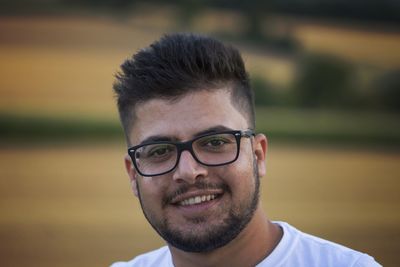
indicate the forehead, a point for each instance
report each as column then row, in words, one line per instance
column 181, row 119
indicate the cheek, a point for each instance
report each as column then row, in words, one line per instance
column 151, row 190
column 245, row 164
column 239, row 175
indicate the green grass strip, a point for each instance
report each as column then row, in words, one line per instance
column 294, row 125
column 330, row 126
column 31, row 128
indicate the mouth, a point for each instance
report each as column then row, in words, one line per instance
column 196, row 200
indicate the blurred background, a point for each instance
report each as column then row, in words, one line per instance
column 327, row 82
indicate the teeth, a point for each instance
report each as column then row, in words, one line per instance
column 197, row 200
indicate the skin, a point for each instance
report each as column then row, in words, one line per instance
column 182, row 120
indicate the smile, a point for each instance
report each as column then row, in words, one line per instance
column 197, row 200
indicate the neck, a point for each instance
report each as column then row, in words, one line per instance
column 257, row 240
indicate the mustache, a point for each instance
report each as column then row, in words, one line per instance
column 197, row 185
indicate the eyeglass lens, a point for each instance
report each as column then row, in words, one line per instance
column 214, row 149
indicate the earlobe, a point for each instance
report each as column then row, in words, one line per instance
column 131, row 173
column 260, row 150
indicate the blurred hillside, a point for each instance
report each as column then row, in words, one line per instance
column 59, row 59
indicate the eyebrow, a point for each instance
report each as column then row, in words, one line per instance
column 156, row 138
column 214, row 129
column 165, row 138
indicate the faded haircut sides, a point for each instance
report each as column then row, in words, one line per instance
column 178, row 64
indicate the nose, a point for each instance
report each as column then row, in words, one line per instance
column 188, row 169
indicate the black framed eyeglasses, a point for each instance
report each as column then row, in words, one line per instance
column 213, row 149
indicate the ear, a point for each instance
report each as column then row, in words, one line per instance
column 132, row 173
column 260, row 150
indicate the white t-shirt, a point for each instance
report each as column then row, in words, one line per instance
column 296, row 249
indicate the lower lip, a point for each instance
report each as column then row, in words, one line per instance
column 196, row 209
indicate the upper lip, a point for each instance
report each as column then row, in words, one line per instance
column 195, row 193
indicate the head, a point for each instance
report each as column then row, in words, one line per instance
column 180, row 88
column 179, row 64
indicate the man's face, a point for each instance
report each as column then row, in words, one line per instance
column 228, row 194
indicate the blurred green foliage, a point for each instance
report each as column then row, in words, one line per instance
column 386, row 91
column 323, row 81
column 264, row 94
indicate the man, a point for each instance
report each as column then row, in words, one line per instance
column 195, row 162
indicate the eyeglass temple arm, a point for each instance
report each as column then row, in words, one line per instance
column 248, row 133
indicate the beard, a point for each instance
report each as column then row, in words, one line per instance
column 209, row 237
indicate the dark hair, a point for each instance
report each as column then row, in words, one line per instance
column 178, row 64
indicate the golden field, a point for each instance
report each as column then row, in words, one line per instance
column 70, row 204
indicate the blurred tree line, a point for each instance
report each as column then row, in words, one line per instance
column 379, row 10
column 254, row 10
column 325, row 81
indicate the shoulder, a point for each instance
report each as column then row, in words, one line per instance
column 155, row 258
column 332, row 254
column 300, row 249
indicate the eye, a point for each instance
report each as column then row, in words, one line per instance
column 216, row 142
column 156, row 151
column 159, row 151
